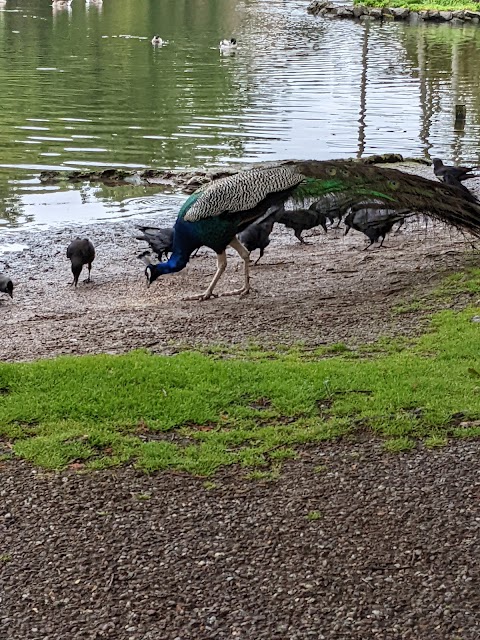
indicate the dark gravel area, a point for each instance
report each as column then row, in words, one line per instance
column 393, row 553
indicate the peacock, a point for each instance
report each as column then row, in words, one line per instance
column 215, row 213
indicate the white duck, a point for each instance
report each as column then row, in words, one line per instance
column 156, row 40
column 228, row 45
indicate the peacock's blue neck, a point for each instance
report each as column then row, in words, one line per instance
column 177, row 261
column 184, row 244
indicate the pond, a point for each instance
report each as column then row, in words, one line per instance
column 84, row 87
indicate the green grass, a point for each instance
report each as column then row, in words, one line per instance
column 197, row 412
column 415, row 5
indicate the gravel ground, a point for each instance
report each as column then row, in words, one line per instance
column 394, row 552
column 329, row 290
column 392, row 546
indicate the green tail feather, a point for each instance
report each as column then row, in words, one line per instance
column 312, row 188
column 189, row 203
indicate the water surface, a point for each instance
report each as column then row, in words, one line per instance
column 84, row 87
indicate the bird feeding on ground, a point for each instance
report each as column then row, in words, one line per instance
column 160, row 240
column 80, row 252
column 217, row 212
column 6, row 285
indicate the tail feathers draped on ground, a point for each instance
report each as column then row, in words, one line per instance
column 352, row 183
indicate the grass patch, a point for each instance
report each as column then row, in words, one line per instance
column 197, row 412
column 314, row 515
column 398, row 445
column 415, row 5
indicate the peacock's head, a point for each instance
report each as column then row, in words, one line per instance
column 151, row 274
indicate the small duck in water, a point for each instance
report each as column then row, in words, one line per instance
column 228, row 45
column 156, row 40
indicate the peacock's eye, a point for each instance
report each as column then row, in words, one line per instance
column 332, row 171
column 345, row 173
column 393, row 185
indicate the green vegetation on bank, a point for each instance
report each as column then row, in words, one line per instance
column 415, row 5
column 196, row 412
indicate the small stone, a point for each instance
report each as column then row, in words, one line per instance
column 400, row 13
column 344, row 12
column 476, row 319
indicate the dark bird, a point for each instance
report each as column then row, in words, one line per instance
column 459, row 173
column 6, row 285
column 217, row 212
column 160, row 240
column 454, row 182
column 373, row 219
column 257, row 234
column 302, row 219
column 332, row 206
column 80, row 252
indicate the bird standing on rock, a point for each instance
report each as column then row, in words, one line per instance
column 215, row 213
column 80, row 252
column 6, row 285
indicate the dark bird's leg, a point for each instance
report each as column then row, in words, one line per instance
column 261, row 254
column 208, row 293
column 368, row 245
column 298, row 235
column 381, row 243
column 89, row 269
column 245, row 255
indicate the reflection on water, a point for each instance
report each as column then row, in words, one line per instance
column 82, row 86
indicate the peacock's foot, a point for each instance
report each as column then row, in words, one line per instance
column 206, row 295
column 236, row 292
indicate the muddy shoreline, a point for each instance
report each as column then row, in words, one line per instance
column 326, row 291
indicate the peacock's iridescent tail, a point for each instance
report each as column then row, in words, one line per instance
column 348, row 182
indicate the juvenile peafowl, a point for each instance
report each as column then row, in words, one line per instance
column 374, row 219
column 257, row 234
column 302, row 219
column 6, row 285
column 448, row 171
column 214, row 214
column 160, row 239
column 80, row 252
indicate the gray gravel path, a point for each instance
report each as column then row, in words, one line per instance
column 394, row 552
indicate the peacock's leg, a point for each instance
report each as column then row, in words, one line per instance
column 221, row 266
column 245, row 255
